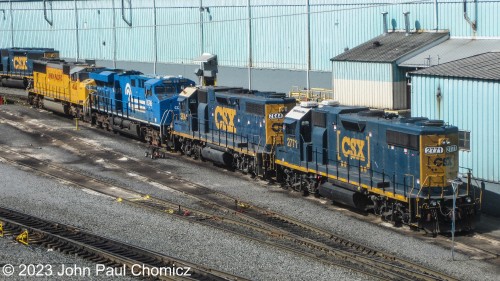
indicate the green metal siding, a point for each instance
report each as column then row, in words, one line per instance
column 472, row 106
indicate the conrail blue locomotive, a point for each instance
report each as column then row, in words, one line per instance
column 138, row 105
column 16, row 64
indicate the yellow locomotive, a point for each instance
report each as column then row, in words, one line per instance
column 61, row 86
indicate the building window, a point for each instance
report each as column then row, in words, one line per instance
column 464, row 140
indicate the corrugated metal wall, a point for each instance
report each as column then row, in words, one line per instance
column 278, row 28
column 472, row 106
column 366, row 84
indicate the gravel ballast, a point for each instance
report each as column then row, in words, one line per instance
column 192, row 242
column 30, row 262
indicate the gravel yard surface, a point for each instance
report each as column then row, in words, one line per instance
column 49, row 265
column 199, row 244
column 95, row 213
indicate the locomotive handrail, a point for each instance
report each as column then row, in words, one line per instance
column 163, row 118
column 123, row 12
column 45, row 13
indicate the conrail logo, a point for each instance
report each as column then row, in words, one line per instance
column 20, row 63
column 353, row 148
column 224, row 119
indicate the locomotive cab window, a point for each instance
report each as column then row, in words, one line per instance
column 464, row 140
column 402, row 140
column 305, row 130
column 290, row 128
column 183, row 106
column 164, row 90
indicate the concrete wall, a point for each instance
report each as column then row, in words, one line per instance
column 278, row 80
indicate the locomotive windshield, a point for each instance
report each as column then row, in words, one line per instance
column 165, row 91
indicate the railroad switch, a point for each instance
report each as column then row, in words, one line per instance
column 23, row 238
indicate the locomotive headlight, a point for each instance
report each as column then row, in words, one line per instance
column 468, row 199
column 418, row 181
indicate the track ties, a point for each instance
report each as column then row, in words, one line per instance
column 102, row 250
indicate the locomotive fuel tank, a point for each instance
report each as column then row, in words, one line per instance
column 125, row 126
column 55, row 106
column 12, row 83
column 344, row 196
column 217, row 155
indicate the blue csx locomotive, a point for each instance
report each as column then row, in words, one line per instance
column 401, row 168
column 16, row 64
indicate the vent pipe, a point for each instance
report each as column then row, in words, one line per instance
column 473, row 24
column 384, row 14
column 407, row 23
column 436, row 11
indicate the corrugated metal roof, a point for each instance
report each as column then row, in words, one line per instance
column 392, row 46
column 484, row 66
column 451, row 50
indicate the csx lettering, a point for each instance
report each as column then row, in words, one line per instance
column 224, row 119
column 446, row 162
column 353, row 147
column 20, row 63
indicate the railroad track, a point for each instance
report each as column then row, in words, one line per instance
column 248, row 221
column 137, row 261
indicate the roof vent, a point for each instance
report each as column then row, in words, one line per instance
column 413, row 119
column 376, row 44
column 431, row 123
column 330, row 103
column 384, row 14
column 372, row 113
column 309, row 104
column 407, row 23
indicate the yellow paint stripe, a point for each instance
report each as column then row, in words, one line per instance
column 371, row 189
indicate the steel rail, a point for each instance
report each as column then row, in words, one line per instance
column 73, row 240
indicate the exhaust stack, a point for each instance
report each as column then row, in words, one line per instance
column 407, row 23
column 384, row 14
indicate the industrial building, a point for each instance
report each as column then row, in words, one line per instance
column 466, row 93
column 283, row 43
column 432, row 57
